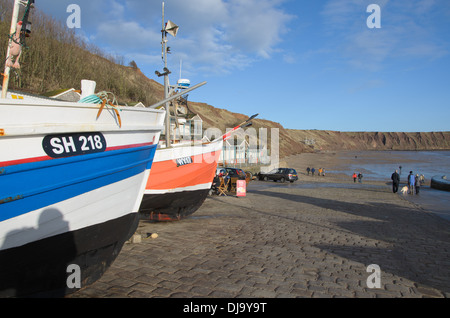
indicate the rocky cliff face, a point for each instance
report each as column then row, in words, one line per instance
column 334, row 140
column 298, row 141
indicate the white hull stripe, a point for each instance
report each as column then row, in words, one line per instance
column 203, row 186
column 94, row 207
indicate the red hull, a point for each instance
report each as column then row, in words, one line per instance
column 180, row 180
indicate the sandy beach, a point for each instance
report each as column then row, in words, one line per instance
column 313, row 238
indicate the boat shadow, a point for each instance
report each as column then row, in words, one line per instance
column 25, row 270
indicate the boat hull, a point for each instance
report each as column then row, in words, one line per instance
column 439, row 183
column 71, row 187
column 172, row 206
column 41, row 268
column 180, row 181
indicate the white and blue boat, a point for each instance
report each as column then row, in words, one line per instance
column 71, row 183
column 70, row 189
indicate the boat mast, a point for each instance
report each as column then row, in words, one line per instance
column 172, row 29
column 166, row 78
column 15, row 18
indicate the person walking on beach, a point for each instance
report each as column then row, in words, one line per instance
column 312, row 171
column 320, row 172
column 308, row 170
column 354, row 176
column 417, row 184
column 422, row 179
column 411, row 182
column 395, row 181
column 360, row 176
column 323, row 172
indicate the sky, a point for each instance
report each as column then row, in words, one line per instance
column 306, row 64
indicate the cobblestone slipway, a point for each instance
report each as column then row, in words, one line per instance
column 285, row 241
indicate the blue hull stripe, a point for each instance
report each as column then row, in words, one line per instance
column 31, row 186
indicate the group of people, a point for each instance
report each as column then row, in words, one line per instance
column 226, row 176
column 358, row 176
column 321, row 171
column 414, row 182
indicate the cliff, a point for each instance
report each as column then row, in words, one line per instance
column 294, row 141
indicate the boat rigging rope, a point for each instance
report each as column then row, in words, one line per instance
column 103, row 99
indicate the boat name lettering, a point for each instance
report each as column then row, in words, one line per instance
column 184, row 161
column 65, row 145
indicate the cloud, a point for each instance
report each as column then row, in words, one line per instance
column 256, row 26
column 220, row 36
column 404, row 35
column 216, row 36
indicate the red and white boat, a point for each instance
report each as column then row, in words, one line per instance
column 182, row 174
column 180, row 180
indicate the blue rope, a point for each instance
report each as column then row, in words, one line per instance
column 91, row 99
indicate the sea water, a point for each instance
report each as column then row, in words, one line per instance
column 379, row 165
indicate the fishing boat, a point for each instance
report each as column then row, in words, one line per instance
column 180, row 180
column 72, row 177
column 183, row 170
column 71, row 187
column 181, row 177
column 440, row 183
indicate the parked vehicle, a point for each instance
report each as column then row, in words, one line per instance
column 236, row 173
column 280, row 174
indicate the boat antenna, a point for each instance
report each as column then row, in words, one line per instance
column 245, row 124
column 172, row 29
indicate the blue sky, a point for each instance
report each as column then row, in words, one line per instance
column 305, row 64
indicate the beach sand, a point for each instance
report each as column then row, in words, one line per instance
column 312, row 238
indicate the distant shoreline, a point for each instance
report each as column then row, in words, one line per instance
column 376, row 166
